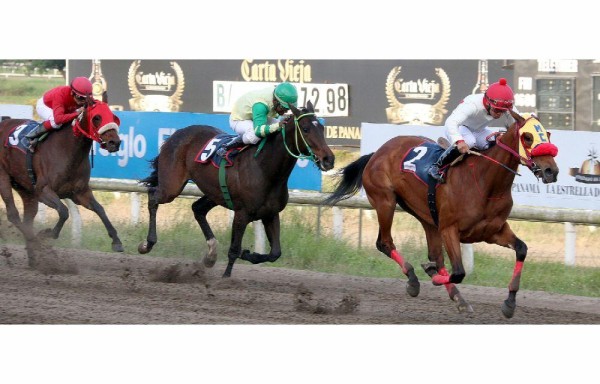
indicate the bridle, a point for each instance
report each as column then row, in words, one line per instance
column 298, row 132
column 90, row 132
column 527, row 161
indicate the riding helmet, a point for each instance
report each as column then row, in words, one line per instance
column 286, row 94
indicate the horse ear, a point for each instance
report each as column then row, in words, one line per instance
column 117, row 120
column 310, row 106
column 518, row 118
column 105, row 97
column 294, row 110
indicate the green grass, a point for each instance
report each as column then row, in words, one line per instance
column 25, row 90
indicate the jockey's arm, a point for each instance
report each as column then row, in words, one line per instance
column 260, row 119
column 60, row 117
column 457, row 118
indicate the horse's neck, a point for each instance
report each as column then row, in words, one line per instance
column 74, row 149
column 283, row 160
column 494, row 177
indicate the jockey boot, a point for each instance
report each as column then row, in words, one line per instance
column 447, row 157
column 230, row 144
column 34, row 135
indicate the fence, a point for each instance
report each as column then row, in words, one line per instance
column 570, row 217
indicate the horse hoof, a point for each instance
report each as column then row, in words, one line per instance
column 118, row 247
column 462, row 305
column 144, row 247
column 413, row 289
column 465, row 307
column 508, row 309
column 209, row 261
column 210, row 258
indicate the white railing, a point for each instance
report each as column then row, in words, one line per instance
column 569, row 217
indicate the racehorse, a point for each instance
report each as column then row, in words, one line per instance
column 472, row 206
column 59, row 169
column 256, row 183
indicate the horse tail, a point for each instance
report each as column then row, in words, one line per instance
column 351, row 181
column 152, row 180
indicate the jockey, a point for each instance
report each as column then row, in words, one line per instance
column 466, row 127
column 60, row 105
column 253, row 115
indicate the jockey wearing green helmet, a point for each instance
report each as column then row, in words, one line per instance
column 256, row 114
column 286, row 93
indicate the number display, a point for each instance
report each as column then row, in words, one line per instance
column 328, row 99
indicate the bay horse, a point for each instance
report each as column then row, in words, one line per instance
column 256, row 183
column 473, row 204
column 59, row 169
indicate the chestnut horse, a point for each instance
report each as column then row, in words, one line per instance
column 473, row 204
column 256, row 183
column 60, row 169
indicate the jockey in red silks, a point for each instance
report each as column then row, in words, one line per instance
column 60, row 105
column 466, row 127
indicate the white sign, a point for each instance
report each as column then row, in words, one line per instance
column 16, row 111
column 578, row 185
column 328, row 99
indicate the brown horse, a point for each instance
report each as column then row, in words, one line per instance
column 256, row 182
column 60, row 169
column 473, row 204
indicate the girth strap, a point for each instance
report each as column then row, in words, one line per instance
column 29, row 164
column 431, row 202
column 223, row 184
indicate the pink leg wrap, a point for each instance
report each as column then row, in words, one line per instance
column 398, row 259
column 439, row 279
column 516, row 277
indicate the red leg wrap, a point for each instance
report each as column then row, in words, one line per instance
column 516, row 277
column 398, row 259
column 439, row 279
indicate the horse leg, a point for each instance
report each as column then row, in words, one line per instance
column 51, row 199
column 385, row 205
column 201, row 207
column 25, row 227
column 151, row 239
column 508, row 239
column 436, row 266
column 30, row 208
column 451, row 241
column 272, row 230
column 157, row 195
column 86, row 199
column 240, row 222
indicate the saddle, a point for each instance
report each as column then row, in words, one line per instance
column 209, row 151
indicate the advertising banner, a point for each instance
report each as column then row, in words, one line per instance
column 344, row 92
column 143, row 133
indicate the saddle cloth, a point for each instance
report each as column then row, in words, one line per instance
column 418, row 159
column 209, row 151
column 16, row 138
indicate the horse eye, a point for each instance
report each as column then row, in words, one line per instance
column 528, row 139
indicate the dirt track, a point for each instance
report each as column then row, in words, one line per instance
column 83, row 287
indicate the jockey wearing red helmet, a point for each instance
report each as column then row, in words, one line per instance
column 60, row 105
column 466, row 127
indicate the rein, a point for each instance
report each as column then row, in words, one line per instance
column 89, row 133
column 524, row 160
column 300, row 155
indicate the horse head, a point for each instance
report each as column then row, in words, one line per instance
column 309, row 136
column 534, row 147
column 99, row 123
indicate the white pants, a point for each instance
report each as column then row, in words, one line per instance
column 45, row 112
column 475, row 139
column 245, row 128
